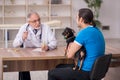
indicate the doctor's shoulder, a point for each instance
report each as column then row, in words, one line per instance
column 45, row 26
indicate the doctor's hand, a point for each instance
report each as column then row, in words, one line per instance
column 24, row 36
column 44, row 47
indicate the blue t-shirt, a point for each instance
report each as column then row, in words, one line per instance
column 93, row 41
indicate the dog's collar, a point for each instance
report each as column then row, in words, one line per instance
column 90, row 26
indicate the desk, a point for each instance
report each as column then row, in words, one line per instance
column 113, row 46
column 21, row 59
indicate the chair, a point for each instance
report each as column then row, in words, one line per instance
column 100, row 67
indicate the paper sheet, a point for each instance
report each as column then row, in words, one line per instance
column 38, row 50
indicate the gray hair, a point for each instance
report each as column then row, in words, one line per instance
column 31, row 13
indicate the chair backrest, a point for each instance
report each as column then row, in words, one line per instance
column 100, row 67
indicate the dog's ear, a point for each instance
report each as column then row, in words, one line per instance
column 63, row 33
column 68, row 30
column 71, row 29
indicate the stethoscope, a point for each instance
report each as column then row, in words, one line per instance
column 40, row 37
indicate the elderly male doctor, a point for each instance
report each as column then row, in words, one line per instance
column 34, row 34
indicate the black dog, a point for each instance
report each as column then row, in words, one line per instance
column 68, row 33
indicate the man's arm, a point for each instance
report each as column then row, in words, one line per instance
column 72, row 49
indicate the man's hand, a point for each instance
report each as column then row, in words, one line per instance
column 69, row 46
column 65, row 51
column 25, row 34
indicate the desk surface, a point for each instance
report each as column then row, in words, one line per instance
column 29, row 54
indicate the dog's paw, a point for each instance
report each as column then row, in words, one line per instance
column 74, row 68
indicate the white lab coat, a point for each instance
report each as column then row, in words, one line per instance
column 33, row 40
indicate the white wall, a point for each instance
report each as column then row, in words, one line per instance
column 77, row 4
column 109, row 15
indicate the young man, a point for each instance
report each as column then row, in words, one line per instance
column 92, row 39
